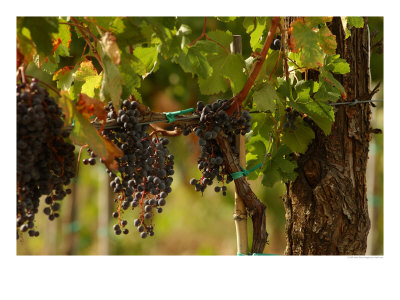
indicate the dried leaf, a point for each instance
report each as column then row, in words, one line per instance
column 110, row 46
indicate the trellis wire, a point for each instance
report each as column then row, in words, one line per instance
column 112, row 124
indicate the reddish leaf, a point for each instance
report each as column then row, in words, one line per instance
column 56, row 43
column 89, row 107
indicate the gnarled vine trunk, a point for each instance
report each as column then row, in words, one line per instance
column 326, row 207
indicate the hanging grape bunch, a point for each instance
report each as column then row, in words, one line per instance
column 291, row 116
column 145, row 168
column 45, row 161
column 213, row 120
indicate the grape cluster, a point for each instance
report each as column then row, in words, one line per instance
column 213, row 121
column 45, row 161
column 276, row 43
column 92, row 160
column 145, row 169
column 291, row 116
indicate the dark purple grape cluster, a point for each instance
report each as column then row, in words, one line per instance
column 213, row 121
column 276, row 43
column 45, row 161
column 291, row 116
column 144, row 179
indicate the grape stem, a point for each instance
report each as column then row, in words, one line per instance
column 204, row 34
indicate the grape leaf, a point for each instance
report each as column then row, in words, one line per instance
column 357, row 22
column 299, row 139
column 264, row 97
column 329, row 88
column 233, row 70
column 67, row 107
column 257, row 34
column 337, row 65
column 64, row 78
column 321, row 113
column 327, row 40
column 304, row 38
column 47, row 64
column 348, row 22
column 311, row 41
column 89, row 107
column 41, row 30
column 224, row 66
column 91, row 80
column 111, row 86
column 249, row 23
column 279, row 167
column 63, row 38
column 193, row 61
column 223, row 37
column 130, row 79
column 226, row 19
column 84, row 133
column 304, row 89
column 315, row 21
column 146, row 60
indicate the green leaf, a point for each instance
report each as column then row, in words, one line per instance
column 226, row 19
column 87, row 73
column 64, row 35
column 279, row 167
column 321, row 113
column 305, row 88
column 262, row 124
column 234, row 71
column 223, row 37
column 128, row 72
column 64, row 78
column 329, row 88
column 337, row 65
column 111, row 86
column 224, row 66
column 193, row 61
column 348, row 22
column 265, row 97
column 41, row 30
column 357, row 22
column 147, row 60
column 257, row 34
column 249, row 23
column 47, row 64
column 299, row 139
column 75, row 89
column 284, row 90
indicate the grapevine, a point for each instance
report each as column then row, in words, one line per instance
column 99, row 107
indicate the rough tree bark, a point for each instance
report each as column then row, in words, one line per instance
column 326, row 207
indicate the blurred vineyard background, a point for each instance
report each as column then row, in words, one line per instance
column 191, row 224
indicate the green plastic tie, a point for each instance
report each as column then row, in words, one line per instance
column 244, row 172
column 171, row 115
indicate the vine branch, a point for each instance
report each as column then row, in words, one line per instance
column 237, row 100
